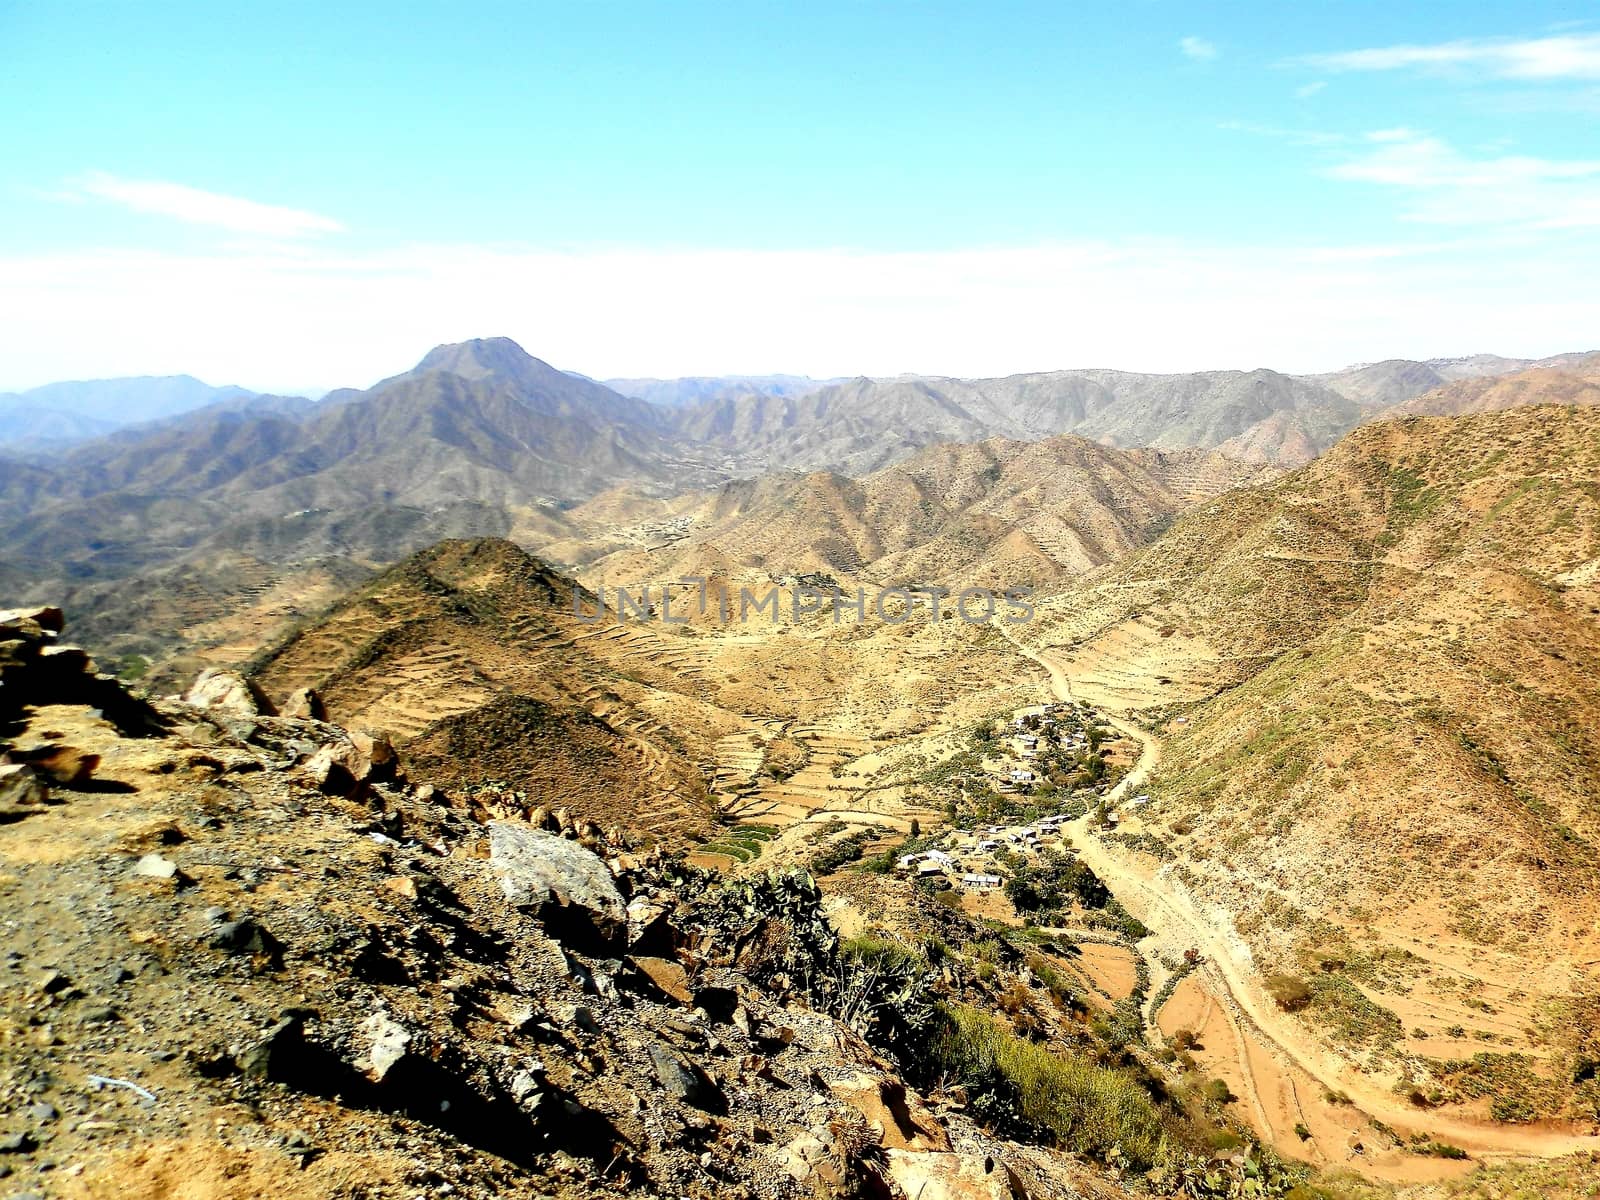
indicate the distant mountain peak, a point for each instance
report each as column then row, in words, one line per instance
column 479, row 357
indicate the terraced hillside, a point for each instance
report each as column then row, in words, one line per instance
column 470, row 654
column 995, row 513
column 1374, row 680
column 463, row 653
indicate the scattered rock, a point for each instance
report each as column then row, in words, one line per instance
column 566, row 886
column 668, row 976
column 685, row 1081
column 898, row 1116
column 66, row 765
column 576, row 1016
column 153, row 866
column 299, row 1145
column 264, row 1058
column 375, row 747
column 802, row 1155
column 305, row 705
column 243, row 936
column 332, row 770
column 21, row 790
column 229, row 692
column 943, row 1176
column 386, row 1042
column 17, row 1143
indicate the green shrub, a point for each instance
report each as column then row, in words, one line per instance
column 1021, row 1088
column 881, row 954
column 1290, row 992
column 1516, row 1110
column 1047, row 884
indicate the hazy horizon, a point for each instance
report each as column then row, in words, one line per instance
column 825, row 190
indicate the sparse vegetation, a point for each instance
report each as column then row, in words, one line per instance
column 1031, row 1091
column 1289, row 992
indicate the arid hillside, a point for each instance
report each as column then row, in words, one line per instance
column 472, row 656
column 1574, row 382
column 1373, row 681
column 253, row 955
column 467, row 654
column 995, row 513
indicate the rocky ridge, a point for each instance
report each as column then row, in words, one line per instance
column 259, row 959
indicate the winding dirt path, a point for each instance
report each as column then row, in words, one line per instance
column 1229, row 975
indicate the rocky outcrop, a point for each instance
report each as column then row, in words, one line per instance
column 229, row 692
column 407, row 1000
column 566, row 885
column 349, row 760
column 305, row 704
column 38, row 669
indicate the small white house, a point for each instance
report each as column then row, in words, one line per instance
column 981, row 881
column 939, row 857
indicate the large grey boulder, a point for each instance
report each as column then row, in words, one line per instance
column 566, row 886
column 229, row 692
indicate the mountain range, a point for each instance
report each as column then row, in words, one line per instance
column 482, row 439
column 58, row 414
column 696, row 389
column 994, row 513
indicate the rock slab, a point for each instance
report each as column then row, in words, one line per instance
column 566, row 886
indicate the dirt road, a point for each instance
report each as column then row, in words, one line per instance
column 1180, row 921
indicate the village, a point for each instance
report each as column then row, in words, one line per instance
column 1046, row 757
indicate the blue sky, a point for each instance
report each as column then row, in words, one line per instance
column 299, row 196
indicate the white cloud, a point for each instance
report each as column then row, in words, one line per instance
column 1197, row 48
column 1295, row 137
column 196, row 207
column 273, row 319
column 1446, row 186
column 1573, row 56
column 1400, row 133
column 1307, row 90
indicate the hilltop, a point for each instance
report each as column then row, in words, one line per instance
column 1573, row 382
column 468, row 655
column 995, row 513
